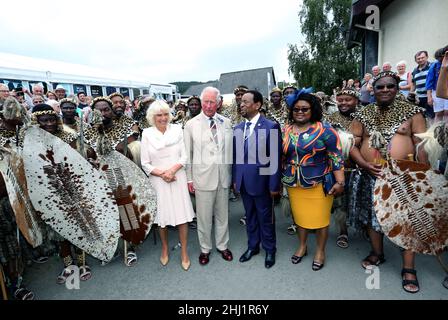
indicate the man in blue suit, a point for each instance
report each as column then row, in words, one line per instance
column 256, row 175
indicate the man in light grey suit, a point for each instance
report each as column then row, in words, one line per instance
column 208, row 142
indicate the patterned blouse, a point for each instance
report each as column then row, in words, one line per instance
column 308, row 156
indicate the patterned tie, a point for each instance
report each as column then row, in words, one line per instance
column 213, row 129
column 246, row 138
column 247, row 131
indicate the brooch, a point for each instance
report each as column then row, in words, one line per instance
column 306, row 136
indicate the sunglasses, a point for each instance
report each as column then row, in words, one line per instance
column 302, row 110
column 381, row 87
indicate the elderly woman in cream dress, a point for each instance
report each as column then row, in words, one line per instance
column 163, row 158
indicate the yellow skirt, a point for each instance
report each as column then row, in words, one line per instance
column 310, row 207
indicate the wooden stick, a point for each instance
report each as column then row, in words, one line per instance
column 2, row 284
column 83, row 258
column 125, row 251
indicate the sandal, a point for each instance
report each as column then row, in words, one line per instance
column 66, row 272
column 85, row 273
column 368, row 261
column 406, row 282
column 131, row 258
column 292, row 229
column 317, row 266
column 342, row 241
column 297, row 259
column 23, row 294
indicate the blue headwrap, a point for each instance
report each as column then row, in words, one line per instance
column 293, row 97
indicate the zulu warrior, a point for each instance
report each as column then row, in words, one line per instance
column 277, row 109
column 13, row 251
column 140, row 114
column 383, row 130
column 348, row 101
column 233, row 112
column 47, row 119
column 114, row 131
column 193, row 109
column 71, row 121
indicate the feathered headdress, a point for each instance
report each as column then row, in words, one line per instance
column 293, row 97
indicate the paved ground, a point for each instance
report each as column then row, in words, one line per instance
column 341, row 278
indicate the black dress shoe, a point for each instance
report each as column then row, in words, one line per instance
column 297, row 259
column 270, row 260
column 248, row 254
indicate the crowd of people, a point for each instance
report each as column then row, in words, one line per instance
column 419, row 84
column 321, row 157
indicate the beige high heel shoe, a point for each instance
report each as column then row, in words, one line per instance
column 164, row 261
column 186, row 265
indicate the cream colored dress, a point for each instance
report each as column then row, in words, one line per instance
column 162, row 151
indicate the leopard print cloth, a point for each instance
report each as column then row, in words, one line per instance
column 121, row 128
column 232, row 113
column 278, row 115
column 77, row 125
column 67, row 137
column 386, row 122
column 338, row 121
column 8, row 138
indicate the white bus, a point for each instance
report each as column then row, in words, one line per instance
column 168, row 92
column 23, row 71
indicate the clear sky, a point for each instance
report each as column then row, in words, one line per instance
column 160, row 41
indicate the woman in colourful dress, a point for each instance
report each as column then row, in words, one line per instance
column 311, row 155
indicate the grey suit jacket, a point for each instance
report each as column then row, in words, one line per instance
column 208, row 163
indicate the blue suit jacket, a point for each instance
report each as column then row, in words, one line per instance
column 256, row 163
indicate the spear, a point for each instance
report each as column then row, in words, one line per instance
column 81, row 135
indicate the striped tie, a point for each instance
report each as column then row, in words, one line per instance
column 213, row 129
column 246, row 134
column 247, row 130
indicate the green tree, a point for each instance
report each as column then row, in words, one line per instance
column 323, row 61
